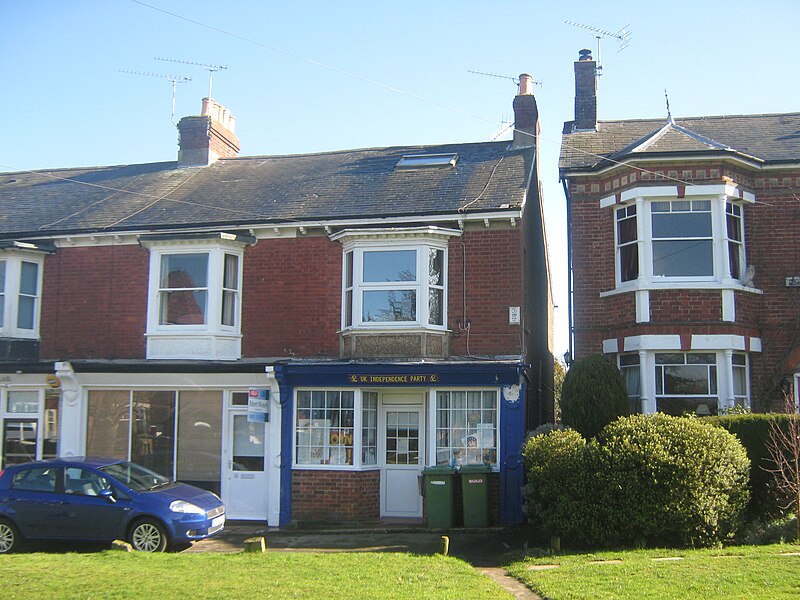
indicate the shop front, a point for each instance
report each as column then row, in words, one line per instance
column 360, row 434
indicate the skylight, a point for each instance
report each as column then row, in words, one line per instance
column 427, row 161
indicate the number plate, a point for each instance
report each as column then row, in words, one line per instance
column 218, row 521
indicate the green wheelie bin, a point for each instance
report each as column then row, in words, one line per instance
column 439, row 497
column 475, row 494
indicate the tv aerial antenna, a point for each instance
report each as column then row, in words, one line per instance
column 210, row 68
column 505, row 123
column 175, row 79
column 498, row 76
column 623, row 36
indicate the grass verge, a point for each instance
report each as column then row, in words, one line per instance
column 112, row 574
column 735, row 572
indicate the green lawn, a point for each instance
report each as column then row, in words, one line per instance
column 113, row 574
column 737, row 572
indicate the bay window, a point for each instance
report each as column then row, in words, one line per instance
column 661, row 238
column 194, row 308
column 394, row 279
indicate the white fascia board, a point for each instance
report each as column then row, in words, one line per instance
column 192, row 381
column 672, row 343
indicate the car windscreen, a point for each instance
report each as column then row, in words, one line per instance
column 136, row 477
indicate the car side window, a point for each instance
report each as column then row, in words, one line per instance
column 84, row 482
column 35, row 479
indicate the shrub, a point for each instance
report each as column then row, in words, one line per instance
column 669, row 480
column 555, row 495
column 593, row 395
column 752, row 430
column 644, row 480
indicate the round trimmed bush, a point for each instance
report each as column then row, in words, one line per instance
column 593, row 395
column 668, row 480
column 556, row 494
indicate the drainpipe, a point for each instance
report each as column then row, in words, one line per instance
column 570, row 337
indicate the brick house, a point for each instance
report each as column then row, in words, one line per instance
column 300, row 334
column 684, row 252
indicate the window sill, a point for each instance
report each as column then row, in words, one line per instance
column 359, row 469
column 677, row 284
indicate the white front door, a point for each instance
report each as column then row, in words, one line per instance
column 402, row 460
column 245, row 486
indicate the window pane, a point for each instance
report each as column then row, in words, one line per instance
column 392, row 265
column 348, row 269
column 200, row 439
column 248, row 444
column 626, row 230
column 686, row 380
column 734, row 227
column 389, row 305
column 348, row 308
column 734, row 259
column 23, row 402
column 108, row 423
column 183, row 308
column 29, row 279
column 435, row 305
column 152, row 438
column 231, row 275
column 229, row 308
column 435, row 266
column 629, row 262
column 51, row 424
column 184, row 271
column 682, row 225
column 682, row 258
column 27, row 306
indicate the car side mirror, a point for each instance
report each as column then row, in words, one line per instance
column 108, row 495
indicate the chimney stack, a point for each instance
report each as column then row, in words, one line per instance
column 526, row 114
column 585, row 92
column 208, row 137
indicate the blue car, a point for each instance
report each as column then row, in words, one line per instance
column 102, row 499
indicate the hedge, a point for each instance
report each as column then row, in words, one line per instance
column 753, row 432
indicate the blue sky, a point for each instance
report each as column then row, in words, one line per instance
column 308, row 76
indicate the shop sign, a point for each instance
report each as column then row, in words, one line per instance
column 393, row 379
column 257, row 405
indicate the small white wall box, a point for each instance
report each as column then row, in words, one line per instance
column 513, row 315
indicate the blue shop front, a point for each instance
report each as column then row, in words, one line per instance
column 355, row 436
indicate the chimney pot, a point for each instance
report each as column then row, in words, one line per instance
column 205, row 138
column 585, row 54
column 525, row 84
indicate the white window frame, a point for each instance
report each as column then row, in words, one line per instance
column 642, row 198
column 11, row 294
column 212, row 339
column 357, row 433
column 726, row 358
column 434, row 426
column 420, row 240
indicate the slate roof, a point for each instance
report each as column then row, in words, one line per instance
column 261, row 190
column 772, row 138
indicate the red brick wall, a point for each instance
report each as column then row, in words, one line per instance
column 291, row 298
column 493, row 283
column 335, row 496
column 685, row 306
column 94, row 303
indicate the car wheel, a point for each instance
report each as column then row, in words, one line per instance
column 9, row 537
column 148, row 535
